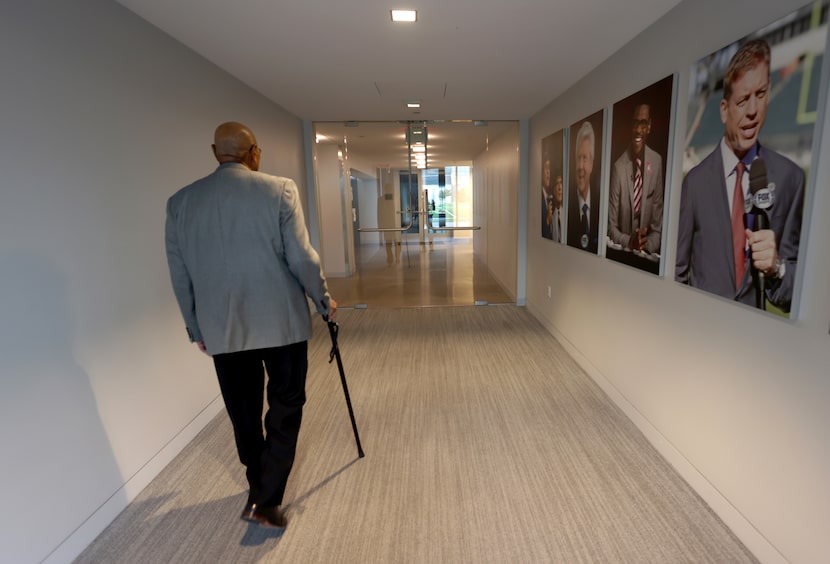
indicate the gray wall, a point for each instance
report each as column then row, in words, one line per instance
column 736, row 400
column 495, row 205
column 103, row 118
column 329, row 171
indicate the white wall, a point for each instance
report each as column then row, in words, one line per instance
column 365, row 166
column 735, row 399
column 367, row 196
column 104, row 117
column 495, row 208
column 331, row 210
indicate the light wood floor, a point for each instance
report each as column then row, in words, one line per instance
column 444, row 273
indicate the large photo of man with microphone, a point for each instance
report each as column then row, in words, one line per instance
column 739, row 230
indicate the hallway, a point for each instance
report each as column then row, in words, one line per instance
column 484, row 442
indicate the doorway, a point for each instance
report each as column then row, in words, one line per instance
column 422, row 227
column 410, row 209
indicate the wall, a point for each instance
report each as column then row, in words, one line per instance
column 331, row 210
column 366, row 197
column 736, row 400
column 367, row 194
column 495, row 208
column 104, row 117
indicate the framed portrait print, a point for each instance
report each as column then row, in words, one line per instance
column 747, row 159
column 552, row 197
column 585, row 160
column 640, row 126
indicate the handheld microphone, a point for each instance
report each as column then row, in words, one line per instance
column 760, row 195
column 761, row 199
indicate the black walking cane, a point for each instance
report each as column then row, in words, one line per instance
column 335, row 353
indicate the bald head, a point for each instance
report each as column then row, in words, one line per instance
column 234, row 142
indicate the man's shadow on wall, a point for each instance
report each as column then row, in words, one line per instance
column 59, row 466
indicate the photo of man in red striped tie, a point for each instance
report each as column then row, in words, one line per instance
column 635, row 200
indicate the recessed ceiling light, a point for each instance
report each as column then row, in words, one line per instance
column 404, row 15
column 413, row 104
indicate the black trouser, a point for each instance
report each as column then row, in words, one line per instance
column 268, row 459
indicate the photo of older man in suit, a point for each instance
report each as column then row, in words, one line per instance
column 717, row 248
column 583, row 195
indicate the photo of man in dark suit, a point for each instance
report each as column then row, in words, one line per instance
column 717, row 249
column 555, row 211
column 552, row 160
column 583, row 196
column 547, row 198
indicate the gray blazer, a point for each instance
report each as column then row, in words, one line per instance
column 621, row 200
column 241, row 262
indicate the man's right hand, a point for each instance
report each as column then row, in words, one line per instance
column 332, row 313
column 764, row 250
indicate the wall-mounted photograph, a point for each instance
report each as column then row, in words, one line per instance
column 639, row 145
column 585, row 158
column 553, row 169
column 748, row 154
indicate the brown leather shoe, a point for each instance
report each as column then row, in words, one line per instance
column 269, row 517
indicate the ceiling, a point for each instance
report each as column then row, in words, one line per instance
column 384, row 144
column 463, row 59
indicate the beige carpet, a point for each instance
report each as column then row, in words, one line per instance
column 484, row 442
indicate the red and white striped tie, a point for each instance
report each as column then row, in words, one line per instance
column 638, row 186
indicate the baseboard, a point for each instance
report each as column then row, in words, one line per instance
column 93, row 525
column 505, row 289
column 752, row 538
